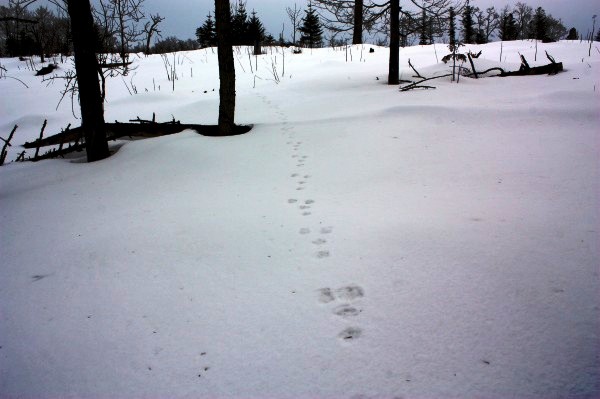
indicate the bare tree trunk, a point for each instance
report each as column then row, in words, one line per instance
column 358, row 22
column 226, row 68
column 257, row 47
column 86, row 67
column 394, row 67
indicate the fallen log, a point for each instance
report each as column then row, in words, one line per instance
column 525, row 70
column 145, row 129
column 550, row 69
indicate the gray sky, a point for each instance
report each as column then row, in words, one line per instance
column 182, row 17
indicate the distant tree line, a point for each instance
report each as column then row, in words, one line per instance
column 120, row 27
column 248, row 29
column 25, row 32
column 427, row 21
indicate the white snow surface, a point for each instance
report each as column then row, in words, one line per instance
column 359, row 242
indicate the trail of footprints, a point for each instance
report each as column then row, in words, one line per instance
column 348, row 297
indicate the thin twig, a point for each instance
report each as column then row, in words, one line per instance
column 413, row 85
column 413, row 68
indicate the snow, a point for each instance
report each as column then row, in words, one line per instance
column 359, row 242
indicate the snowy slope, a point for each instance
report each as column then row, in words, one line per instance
column 358, row 242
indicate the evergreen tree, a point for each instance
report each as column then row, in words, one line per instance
column 573, row 35
column 424, row 28
column 256, row 29
column 311, row 30
column 467, row 24
column 452, row 27
column 256, row 32
column 207, row 34
column 540, row 25
column 555, row 30
column 508, row 26
column 240, row 25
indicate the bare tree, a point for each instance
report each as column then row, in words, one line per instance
column 524, row 16
column 394, row 64
column 341, row 16
column 86, row 67
column 120, row 19
column 488, row 22
column 43, row 31
column 151, row 28
column 295, row 16
column 226, row 68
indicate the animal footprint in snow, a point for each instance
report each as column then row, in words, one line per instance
column 304, row 207
column 309, row 202
column 350, row 333
column 350, row 292
column 347, row 293
column 304, row 231
column 294, row 175
column 319, row 241
column 292, row 201
column 346, row 311
column 326, row 230
column 326, row 295
column 323, row 254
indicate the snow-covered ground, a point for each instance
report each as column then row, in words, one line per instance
column 359, row 242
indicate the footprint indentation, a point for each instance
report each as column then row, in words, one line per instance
column 292, row 201
column 319, row 241
column 350, row 333
column 325, row 295
column 294, row 175
column 326, row 230
column 346, row 311
column 304, row 207
column 306, row 213
column 350, row 292
column 304, row 231
column 323, row 254
column 309, row 202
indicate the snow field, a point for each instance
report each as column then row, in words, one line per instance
column 358, row 242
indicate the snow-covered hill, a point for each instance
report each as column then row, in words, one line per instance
column 359, row 242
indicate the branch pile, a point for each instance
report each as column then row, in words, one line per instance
column 525, row 70
column 73, row 139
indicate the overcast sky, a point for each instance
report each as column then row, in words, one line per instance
column 182, row 17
